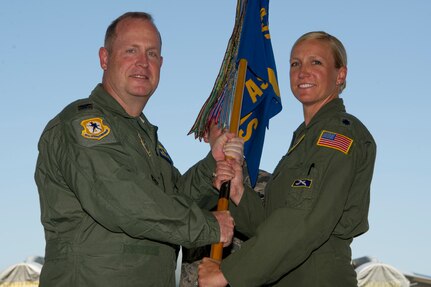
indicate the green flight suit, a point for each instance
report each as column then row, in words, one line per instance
column 113, row 206
column 316, row 202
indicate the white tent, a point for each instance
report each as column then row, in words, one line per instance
column 25, row 274
column 376, row 274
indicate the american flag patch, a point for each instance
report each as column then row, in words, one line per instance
column 335, row 141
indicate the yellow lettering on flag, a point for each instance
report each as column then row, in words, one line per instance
column 253, row 90
column 250, row 128
column 273, row 81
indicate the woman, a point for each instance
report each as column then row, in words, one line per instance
column 318, row 197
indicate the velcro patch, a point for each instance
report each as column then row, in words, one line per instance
column 302, row 183
column 94, row 129
column 335, row 141
column 164, row 153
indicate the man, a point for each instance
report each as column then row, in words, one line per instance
column 113, row 206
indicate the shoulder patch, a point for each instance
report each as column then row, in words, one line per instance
column 335, row 141
column 94, row 129
column 164, row 153
column 302, row 183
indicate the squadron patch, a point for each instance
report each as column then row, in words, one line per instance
column 302, row 183
column 335, row 141
column 164, row 153
column 94, row 129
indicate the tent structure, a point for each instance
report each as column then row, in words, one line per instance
column 376, row 274
column 25, row 274
column 372, row 273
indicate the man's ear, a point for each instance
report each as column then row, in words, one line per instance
column 103, row 58
column 206, row 137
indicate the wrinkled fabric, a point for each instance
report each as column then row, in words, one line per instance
column 316, row 202
column 113, row 207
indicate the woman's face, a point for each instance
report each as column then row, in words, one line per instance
column 314, row 80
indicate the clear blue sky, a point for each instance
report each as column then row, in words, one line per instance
column 49, row 57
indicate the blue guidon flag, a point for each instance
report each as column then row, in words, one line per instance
column 250, row 41
column 261, row 97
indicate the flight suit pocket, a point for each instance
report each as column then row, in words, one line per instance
column 302, row 187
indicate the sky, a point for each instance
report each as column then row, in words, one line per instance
column 49, row 58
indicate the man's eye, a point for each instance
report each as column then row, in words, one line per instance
column 131, row 51
column 153, row 54
column 294, row 64
column 317, row 62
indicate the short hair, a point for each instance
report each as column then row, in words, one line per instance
column 337, row 48
column 111, row 30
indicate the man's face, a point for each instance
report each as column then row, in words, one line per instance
column 212, row 134
column 132, row 66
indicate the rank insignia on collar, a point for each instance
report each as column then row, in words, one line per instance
column 94, row 129
column 335, row 141
column 302, row 183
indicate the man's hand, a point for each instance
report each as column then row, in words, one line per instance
column 226, row 224
column 210, row 275
column 234, row 149
column 228, row 145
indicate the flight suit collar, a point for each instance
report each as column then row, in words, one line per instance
column 327, row 110
column 100, row 96
column 334, row 106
